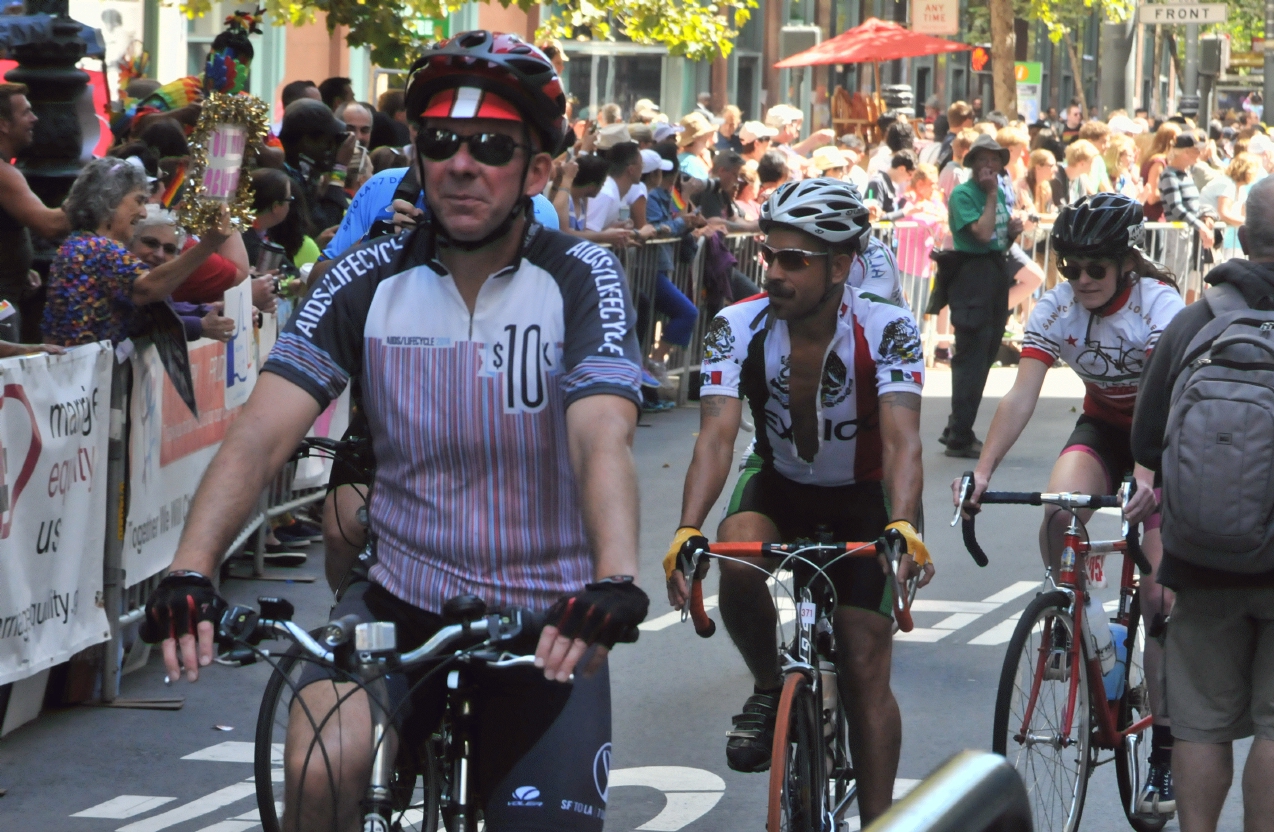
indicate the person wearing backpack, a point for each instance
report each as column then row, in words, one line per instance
column 1104, row 321
column 1205, row 421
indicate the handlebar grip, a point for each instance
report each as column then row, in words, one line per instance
column 903, row 615
column 704, row 625
column 971, row 542
column 738, row 550
column 1030, row 498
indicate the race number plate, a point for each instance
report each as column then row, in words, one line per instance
column 806, row 610
column 1096, row 571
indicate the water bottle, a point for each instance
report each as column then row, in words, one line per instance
column 1114, row 679
column 1097, row 628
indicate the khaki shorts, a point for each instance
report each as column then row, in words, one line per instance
column 1219, row 665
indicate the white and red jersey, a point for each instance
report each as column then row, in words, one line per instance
column 876, row 349
column 1107, row 351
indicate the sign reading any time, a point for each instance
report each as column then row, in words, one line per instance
column 935, row 17
column 1176, row 13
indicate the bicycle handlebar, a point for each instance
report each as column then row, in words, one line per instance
column 892, row 543
column 1065, row 500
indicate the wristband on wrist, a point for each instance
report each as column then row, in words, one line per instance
column 616, row 579
column 339, row 169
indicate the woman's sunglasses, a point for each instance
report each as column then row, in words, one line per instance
column 789, row 259
column 167, row 248
column 1096, row 270
column 492, row 149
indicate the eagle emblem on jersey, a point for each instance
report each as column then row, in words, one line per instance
column 778, row 384
column 836, row 384
column 718, row 341
column 900, row 343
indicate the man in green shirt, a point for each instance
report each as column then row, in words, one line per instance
column 982, row 229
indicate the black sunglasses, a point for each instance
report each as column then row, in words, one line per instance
column 167, row 248
column 493, row 149
column 1071, row 271
column 789, row 259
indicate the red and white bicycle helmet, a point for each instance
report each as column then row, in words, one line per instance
column 482, row 74
column 829, row 209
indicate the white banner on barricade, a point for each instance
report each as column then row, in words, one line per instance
column 54, row 426
column 241, row 349
column 169, row 451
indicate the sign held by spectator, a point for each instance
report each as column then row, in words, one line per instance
column 226, row 142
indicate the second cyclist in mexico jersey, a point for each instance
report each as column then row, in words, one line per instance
column 876, row 350
column 474, row 490
column 1106, row 351
column 875, row 273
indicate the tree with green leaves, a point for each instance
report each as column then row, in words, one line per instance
column 696, row 29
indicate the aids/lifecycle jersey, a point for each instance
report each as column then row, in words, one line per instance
column 474, row 490
column 876, row 350
column 1106, row 351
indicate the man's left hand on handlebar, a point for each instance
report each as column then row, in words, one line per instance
column 601, row 615
column 181, row 598
column 916, row 562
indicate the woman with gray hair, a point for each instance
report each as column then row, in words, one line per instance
column 157, row 239
column 95, row 282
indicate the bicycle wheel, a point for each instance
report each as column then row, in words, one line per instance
column 1036, row 689
column 797, row 782
column 1134, row 706
column 417, row 779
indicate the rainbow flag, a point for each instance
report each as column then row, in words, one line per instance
column 679, row 201
column 174, row 186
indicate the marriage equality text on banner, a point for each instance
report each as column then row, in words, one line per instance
column 169, row 451
column 54, row 426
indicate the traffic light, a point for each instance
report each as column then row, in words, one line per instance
column 980, row 59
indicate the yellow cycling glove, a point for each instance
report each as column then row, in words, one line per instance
column 915, row 546
column 684, row 534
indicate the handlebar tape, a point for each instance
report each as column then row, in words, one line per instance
column 971, row 542
column 1030, row 498
column 704, row 625
column 1134, row 550
column 903, row 614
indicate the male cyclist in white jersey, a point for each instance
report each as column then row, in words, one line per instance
column 1104, row 322
column 500, row 379
column 833, row 378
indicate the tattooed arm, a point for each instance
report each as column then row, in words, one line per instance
column 714, row 452
column 904, row 471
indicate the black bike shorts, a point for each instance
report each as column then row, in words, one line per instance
column 1109, row 444
column 848, row 512
column 542, row 750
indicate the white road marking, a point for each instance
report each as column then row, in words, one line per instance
column 193, row 809
column 232, row 826
column 668, row 619
column 963, row 613
column 1002, row 632
column 901, row 789
column 124, row 806
column 689, row 793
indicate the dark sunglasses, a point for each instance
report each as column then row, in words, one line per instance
column 1071, row 271
column 167, row 248
column 789, row 259
column 492, row 149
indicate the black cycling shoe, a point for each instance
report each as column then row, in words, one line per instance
column 1157, row 797
column 752, row 740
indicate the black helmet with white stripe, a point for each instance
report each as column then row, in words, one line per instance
column 1102, row 225
column 829, row 209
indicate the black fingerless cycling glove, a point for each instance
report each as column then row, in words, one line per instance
column 604, row 613
column 177, row 605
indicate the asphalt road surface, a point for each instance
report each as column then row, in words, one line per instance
column 93, row 769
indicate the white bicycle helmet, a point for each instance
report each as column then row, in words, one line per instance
column 829, row 209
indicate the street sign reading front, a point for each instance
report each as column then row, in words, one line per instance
column 1177, row 13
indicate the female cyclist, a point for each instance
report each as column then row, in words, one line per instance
column 1103, row 322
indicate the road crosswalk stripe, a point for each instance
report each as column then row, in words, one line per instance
column 195, row 808
column 963, row 613
column 123, row 807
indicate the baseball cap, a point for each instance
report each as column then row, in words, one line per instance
column 611, row 135
column 307, row 117
column 753, row 130
column 652, row 161
column 470, row 102
column 663, row 130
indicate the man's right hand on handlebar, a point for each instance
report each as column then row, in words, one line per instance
column 973, row 503
column 687, row 540
column 183, row 606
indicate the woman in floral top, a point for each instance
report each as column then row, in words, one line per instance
column 95, row 283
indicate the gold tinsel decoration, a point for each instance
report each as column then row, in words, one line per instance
column 199, row 211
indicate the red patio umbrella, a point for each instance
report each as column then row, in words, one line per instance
column 871, row 42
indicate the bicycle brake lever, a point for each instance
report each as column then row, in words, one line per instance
column 966, row 486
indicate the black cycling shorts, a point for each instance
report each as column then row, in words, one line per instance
column 1110, row 444
column 542, row 751
column 849, row 512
